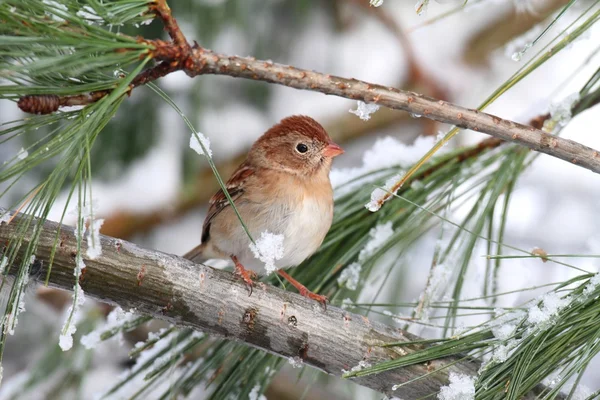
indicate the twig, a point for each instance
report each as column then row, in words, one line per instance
column 200, row 61
column 215, row 302
column 162, row 10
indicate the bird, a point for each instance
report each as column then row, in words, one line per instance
column 282, row 187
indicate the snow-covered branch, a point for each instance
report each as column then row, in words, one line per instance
column 171, row 288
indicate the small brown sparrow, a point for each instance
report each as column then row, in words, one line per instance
column 283, row 187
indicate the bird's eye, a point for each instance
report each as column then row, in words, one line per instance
column 302, row 148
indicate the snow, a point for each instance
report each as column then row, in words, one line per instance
column 18, row 306
column 364, row 110
column 350, row 276
column 72, row 317
column 197, row 145
column 268, row 248
column 254, row 394
column 378, row 195
column 22, row 154
column 296, row 362
column 115, row 318
column 551, row 305
column 589, row 288
column 440, row 276
column 347, row 303
column 73, row 314
column 506, row 323
column 89, row 14
column 94, row 249
column 560, row 113
column 3, row 264
column 386, row 152
column 57, row 8
column 361, row 365
column 462, row 387
column 5, row 218
column 379, row 235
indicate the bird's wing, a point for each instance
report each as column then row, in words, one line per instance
column 235, row 187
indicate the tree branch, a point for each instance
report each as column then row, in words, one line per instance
column 197, row 60
column 286, row 324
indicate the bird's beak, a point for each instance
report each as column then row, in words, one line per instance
column 332, row 150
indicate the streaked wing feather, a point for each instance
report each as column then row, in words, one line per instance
column 235, row 187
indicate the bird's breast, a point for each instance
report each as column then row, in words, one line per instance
column 305, row 229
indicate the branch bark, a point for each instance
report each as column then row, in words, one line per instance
column 286, row 324
column 196, row 60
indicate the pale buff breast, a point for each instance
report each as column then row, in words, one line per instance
column 302, row 216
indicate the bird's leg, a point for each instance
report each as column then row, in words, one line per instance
column 303, row 290
column 246, row 274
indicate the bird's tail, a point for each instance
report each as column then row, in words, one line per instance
column 196, row 254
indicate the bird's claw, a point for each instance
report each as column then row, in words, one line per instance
column 318, row 297
column 247, row 276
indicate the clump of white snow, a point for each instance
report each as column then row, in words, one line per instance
column 296, row 362
column 347, row 303
column 22, row 154
column 350, row 276
column 115, row 318
column 5, row 218
column 361, row 365
column 94, row 249
column 461, row 387
column 197, row 147
column 560, row 113
column 73, row 316
column 364, row 110
column 592, row 285
column 74, row 313
column 379, row 235
column 551, row 304
column 254, row 394
column 268, row 248
column 379, row 195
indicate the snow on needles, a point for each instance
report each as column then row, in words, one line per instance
column 114, row 320
column 197, row 145
column 386, row 152
column 551, row 305
column 461, row 387
column 364, row 110
column 378, row 237
column 268, row 248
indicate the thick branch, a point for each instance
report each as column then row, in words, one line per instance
column 174, row 289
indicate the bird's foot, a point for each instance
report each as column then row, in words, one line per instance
column 303, row 290
column 246, row 274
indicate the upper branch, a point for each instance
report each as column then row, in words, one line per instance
column 178, row 55
column 214, row 301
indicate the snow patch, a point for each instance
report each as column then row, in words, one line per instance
column 350, row 276
column 268, row 248
column 197, row 146
column 461, row 387
column 364, row 110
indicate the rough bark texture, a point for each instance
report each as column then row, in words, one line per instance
column 174, row 289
